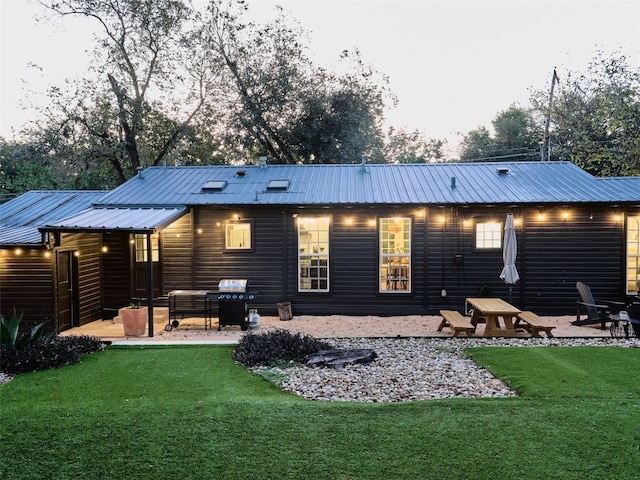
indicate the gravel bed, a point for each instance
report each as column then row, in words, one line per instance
column 412, row 369
column 4, row 378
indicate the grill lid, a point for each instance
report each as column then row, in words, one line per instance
column 232, row 285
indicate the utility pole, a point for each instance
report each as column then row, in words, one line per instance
column 545, row 150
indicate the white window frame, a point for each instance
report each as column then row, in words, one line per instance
column 395, row 255
column 238, row 236
column 140, row 244
column 313, row 254
column 633, row 255
column 488, row 235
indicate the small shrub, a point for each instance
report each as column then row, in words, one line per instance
column 44, row 354
column 276, row 346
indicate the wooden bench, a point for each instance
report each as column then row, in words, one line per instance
column 456, row 322
column 534, row 324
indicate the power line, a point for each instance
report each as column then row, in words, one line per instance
column 530, row 153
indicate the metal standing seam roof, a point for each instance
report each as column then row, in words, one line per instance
column 375, row 184
column 161, row 195
column 21, row 217
column 20, row 236
column 129, row 219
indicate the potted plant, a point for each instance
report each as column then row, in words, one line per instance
column 134, row 319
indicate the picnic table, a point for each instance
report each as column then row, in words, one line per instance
column 494, row 310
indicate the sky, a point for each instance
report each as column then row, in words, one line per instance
column 453, row 65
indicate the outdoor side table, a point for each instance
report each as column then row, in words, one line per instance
column 188, row 302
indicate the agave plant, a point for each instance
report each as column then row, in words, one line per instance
column 10, row 332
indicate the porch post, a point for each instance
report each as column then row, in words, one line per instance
column 150, row 284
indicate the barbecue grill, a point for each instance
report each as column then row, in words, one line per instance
column 232, row 297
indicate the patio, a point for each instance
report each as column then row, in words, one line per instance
column 191, row 329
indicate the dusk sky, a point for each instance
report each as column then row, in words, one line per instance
column 453, row 64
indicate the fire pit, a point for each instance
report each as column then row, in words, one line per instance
column 232, row 297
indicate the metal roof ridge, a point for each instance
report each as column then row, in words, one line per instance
column 354, row 164
column 124, row 206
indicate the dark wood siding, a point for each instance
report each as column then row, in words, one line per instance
column 262, row 267
column 89, row 274
column 271, row 266
column 455, row 269
column 116, row 273
column 552, row 256
column 354, row 261
column 26, row 285
column 587, row 246
column 178, row 255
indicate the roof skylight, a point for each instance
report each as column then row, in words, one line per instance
column 278, row 185
column 214, row 185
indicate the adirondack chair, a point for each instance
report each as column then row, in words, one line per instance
column 596, row 311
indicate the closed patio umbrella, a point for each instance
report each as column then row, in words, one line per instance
column 509, row 252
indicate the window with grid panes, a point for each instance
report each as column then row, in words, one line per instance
column 395, row 255
column 313, row 254
column 633, row 255
column 141, row 248
column 488, row 235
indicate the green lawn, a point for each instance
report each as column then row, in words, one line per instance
column 188, row 412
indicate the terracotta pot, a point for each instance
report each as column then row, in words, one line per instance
column 134, row 321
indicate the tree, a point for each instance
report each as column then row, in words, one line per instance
column 516, row 138
column 142, row 75
column 477, row 144
column 280, row 104
column 403, row 146
column 516, row 132
column 170, row 83
column 27, row 166
column 596, row 117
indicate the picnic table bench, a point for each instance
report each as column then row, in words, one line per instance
column 534, row 324
column 456, row 322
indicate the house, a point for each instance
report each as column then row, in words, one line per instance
column 36, row 273
column 355, row 239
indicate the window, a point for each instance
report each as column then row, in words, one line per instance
column 633, row 255
column 313, row 254
column 141, row 248
column 237, row 236
column 395, row 255
column 488, row 235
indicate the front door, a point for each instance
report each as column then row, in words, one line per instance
column 140, row 266
column 67, row 290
